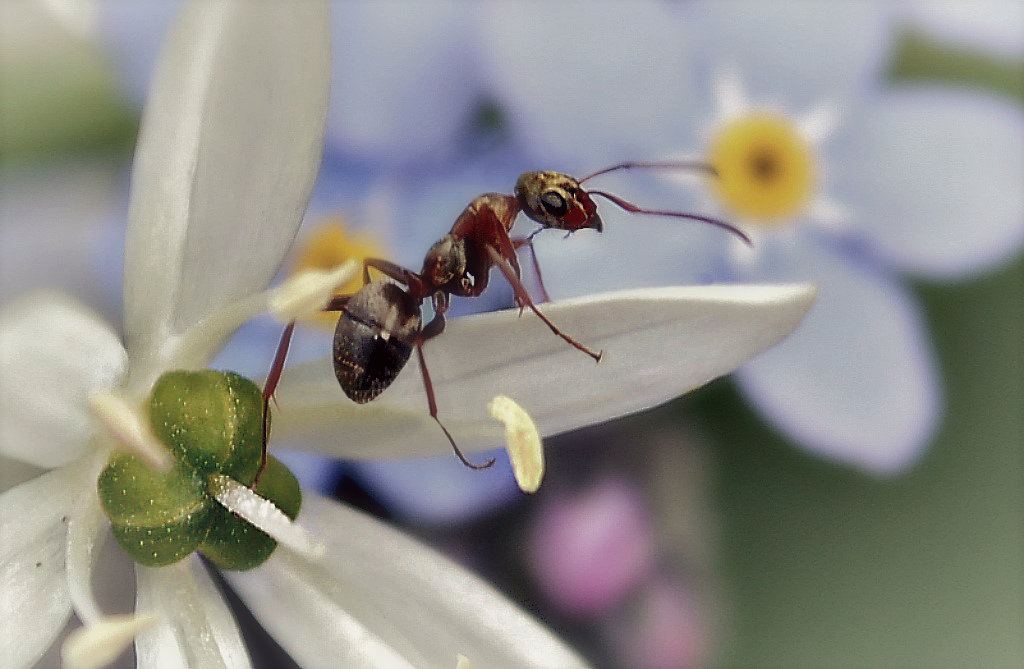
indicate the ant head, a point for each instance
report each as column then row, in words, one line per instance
column 557, row 200
column 446, row 260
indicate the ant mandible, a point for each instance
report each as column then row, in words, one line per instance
column 381, row 324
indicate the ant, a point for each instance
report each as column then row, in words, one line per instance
column 382, row 323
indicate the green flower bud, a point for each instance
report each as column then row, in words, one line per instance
column 211, row 420
column 233, row 543
column 157, row 517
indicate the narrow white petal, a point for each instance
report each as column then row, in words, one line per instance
column 35, row 604
column 263, row 514
column 195, row 629
column 817, row 125
column 380, row 599
column 99, row 643
column 228, row 151
column 830, row 214
column 938, row 179
column 54, row 352
column 730, row 95
column 85, row 524
column 658, row 344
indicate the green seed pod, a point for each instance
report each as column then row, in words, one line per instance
column 233, row 543
column 158, row 518
column 212, row 420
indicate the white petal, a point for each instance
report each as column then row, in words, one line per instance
column 54, row 352
column 228, row 151
column 938, row 179
column 14, row 472
column 404, row 83
column 85, row 524
column 591, row 84
column 194, row 628
column 381, row 599
column 658, row 343
column 802, row 51
column 35, row 603
column 857, row 381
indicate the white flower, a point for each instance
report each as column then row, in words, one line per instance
column 228, row 152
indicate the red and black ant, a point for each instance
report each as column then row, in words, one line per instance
column 381, row 324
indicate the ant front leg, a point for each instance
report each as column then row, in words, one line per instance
column 520, row 242
column 523, row 299
column 337, row 303
column 432, row 329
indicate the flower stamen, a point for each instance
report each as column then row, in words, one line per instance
column 308, row 292
column 767, row 167
column 525, row 450
column 130, row 428
column 99, row 643
column 264, row 515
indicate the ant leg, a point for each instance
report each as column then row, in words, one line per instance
column 523, row 298
column 397, row 273
column 337, row 303
column 520, row 242
column 273, row 377
column 434, row 328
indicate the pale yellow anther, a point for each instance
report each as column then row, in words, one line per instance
column 100, row 643
column 307, row 292
column 130, row 429
column 525, row 450
column 462, row 662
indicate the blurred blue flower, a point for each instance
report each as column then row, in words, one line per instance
column 918, row 180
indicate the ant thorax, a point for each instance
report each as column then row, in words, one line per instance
column 556, row 200
column 446, row 262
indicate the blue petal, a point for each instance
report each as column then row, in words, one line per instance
column 857, row 380
column 403, row 81
column 439, row 490
column 591, row 84
column 938, row 177
column 803, row 51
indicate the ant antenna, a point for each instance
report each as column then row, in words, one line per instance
column 633, row 209
column 665, row 165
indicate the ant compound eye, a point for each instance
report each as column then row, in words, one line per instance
column 554, row 204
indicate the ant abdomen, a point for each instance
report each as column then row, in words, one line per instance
column 374, row 339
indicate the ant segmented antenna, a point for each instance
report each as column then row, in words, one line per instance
column 695, row 165
column 633, row 209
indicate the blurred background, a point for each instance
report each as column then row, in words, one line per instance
column 854, row 497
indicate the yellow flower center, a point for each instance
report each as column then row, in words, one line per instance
column 766, row 169
column 327, row 247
